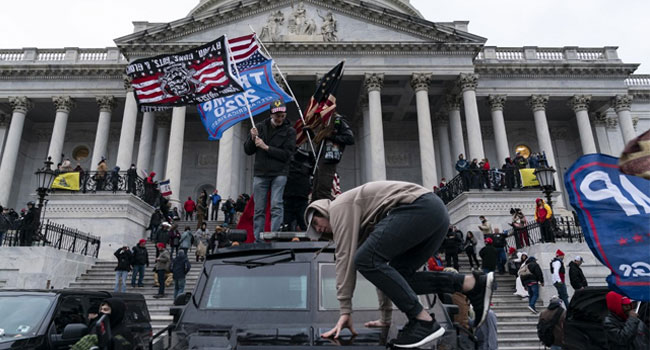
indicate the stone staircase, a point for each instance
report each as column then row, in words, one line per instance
column 101, row 277
column 516, row 325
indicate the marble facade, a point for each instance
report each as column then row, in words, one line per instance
column 416, row 93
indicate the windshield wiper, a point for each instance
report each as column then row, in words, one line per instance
column 255, row 262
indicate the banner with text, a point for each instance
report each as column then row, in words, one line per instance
column 260, row 89
column 614, row 212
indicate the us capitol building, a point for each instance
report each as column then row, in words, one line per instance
column 418, row 94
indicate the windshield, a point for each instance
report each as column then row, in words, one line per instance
column 365, row 293
column 278, row 287
column 21, row 315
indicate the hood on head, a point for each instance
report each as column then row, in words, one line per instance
column 531, row 259
column 615, row 303
column 118, row 309
column 555, row 302
column 152, row 174
column 323, row 207
column 538, row 200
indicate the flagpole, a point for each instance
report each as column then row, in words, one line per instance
column 248, row 106
column 286, row 83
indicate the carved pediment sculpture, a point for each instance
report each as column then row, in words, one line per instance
column 300, row 27
column 271, row 31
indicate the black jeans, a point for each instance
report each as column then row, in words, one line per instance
column 294, row 211
column 323, row 181
column 471, row 255
column 451, row 259
column 399, row 245
column 215, row 211
column 547, row 231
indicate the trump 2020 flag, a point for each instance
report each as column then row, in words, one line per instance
column 197, row 75
column 260, row 89
column 614, row 212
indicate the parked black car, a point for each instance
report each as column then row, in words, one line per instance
column 280, row 296
column 56, row 319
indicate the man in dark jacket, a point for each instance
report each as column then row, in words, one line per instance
column 488, row 256
column 334, row 139
column 124, row 258
column 510, row 169
column 121, row 336
column 554, row 310
column 296, row 192
column 29, row 225
column 5, row 223
column 273, row 142
column 462, row 166
column 131, row 176
column 154, row 224
column 531, row 277
column 180, row 267
column 521, row 163
column 624, row 328
column 576, row 277
column 140, row 259
column 452, row 244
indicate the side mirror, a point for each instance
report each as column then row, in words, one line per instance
column 74, row 331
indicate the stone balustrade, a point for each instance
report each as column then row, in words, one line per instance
column 64, row 56
column 534, row 53
column 638, row 80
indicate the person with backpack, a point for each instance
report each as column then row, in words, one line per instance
column 558, row 276
column 140, row 259
column 532, row 277
column 180, row 267
column 227, row 209
column 550, row 327
column 186, row 240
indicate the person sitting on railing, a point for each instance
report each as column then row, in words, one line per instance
column 462, row 166
column 131, row 175
column 509, row 168
column 115, row 178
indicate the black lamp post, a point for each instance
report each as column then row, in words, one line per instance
column 45, row 176
column 546, row 181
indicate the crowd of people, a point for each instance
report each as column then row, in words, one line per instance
column 24, row 225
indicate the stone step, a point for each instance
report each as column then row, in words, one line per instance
column 520, row 347
column 517, row 316
column 514, row 308
column 519, row 341
column 510, row 333
column 517, row 325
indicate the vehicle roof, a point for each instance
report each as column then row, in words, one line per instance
column 64, row 292
column 253, row 248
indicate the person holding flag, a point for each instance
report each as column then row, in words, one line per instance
column 273, row 142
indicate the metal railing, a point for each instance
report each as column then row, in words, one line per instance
column 93, row 181
column 53, row 235
column 493, row 179
column 563, row 229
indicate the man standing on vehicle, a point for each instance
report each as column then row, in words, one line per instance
column 273, row 142
column 387, row 230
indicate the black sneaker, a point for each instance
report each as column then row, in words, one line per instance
column 481, row 296
column 417, row 333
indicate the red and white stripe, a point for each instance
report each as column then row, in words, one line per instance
column 243, row 47
column 210, row 73
column 336, row 186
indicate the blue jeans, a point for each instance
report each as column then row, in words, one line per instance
column 261, row 187
column 179, row 287
column 533, row 294
column 120, row 276
column 501, row 260
column 399, row 245
column 137, row 270
column 562, row 293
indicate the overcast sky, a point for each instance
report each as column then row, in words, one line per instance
column 587, row 23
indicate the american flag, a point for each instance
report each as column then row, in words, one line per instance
column 246, row 52
column 336, row 186
column 188, row 77
column 322, row 104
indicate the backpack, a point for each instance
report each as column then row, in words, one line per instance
column 524, row 270
column 545, row 328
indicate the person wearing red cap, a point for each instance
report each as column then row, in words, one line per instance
column 558, row 275
column 163, row 263
column 625, row 331
column 139, row 260
column 488, row 256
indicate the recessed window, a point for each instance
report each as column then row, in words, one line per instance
column 80, row 153
column 523, row 150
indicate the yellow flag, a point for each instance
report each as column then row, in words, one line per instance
column 67, row 181
column 528, row 179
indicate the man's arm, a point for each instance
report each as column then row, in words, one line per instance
column 623, row 335
column 345, row 227
column 287, row 149
column 344, row 135
column 249, row 144
column 556, row 272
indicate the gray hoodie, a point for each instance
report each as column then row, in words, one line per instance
column 352, row 216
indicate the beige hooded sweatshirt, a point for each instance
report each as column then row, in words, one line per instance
column 352, row 216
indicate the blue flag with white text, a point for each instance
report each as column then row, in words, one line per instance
column 259, row 88
column 614, row 212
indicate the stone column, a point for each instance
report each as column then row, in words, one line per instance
column 4, row 126
column 373, row 84
column 20, row 106
column 63, row 106
column 162, row 143
column 538, row 105
column 497, row 102
column 175, row 153
column 146, row 141
column 599, row 121
column 127, row 135
column 420, row 83
column 367, row 148
column 580, row 105
column 455, row 127
column 442, row 135
column 622, row 105
column 106, row 105
column 467, row 84
column 225, row 171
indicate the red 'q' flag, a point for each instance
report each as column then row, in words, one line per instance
column 322, row 104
